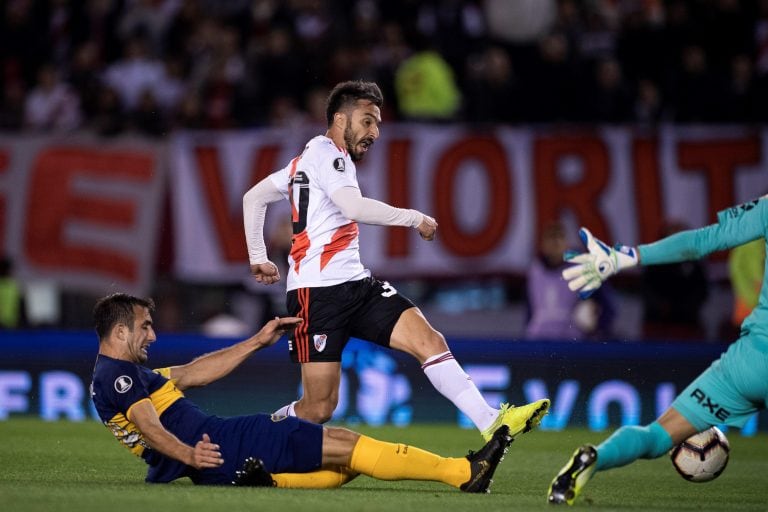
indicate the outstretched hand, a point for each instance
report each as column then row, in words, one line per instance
column 591, row 268
column 206, row 454
column 277, row 327
column 427, row 228
column 265, row 273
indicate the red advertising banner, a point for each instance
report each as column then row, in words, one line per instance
column 81, row 213
column 490, row 192
column 84, row 212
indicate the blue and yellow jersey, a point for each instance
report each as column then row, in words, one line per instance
column 736, row 226
column 118, row 385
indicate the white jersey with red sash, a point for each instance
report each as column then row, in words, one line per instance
column 325, row 249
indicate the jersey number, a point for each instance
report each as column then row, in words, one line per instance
column 389, row 290
column 299, row 215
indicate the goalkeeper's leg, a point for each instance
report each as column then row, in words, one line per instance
column 630, row 443
column 623, row 447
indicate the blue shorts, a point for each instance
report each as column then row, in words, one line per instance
column 285, row 444
column 731, row 390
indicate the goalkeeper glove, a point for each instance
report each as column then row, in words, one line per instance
column 590, row 269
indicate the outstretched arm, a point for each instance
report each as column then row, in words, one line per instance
column 370, row 211
column 735, row 226
column 210, row 367
column 203, row 455
column 255, row 203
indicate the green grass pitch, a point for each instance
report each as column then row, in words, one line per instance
column 64, row 466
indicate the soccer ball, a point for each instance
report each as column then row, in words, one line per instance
column 701, row 457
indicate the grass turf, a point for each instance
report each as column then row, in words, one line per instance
column 64, row 466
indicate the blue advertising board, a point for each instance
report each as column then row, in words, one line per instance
column 597, row 385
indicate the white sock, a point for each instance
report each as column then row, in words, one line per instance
column 453, row 383
column 286, row 410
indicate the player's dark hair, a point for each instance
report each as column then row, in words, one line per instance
column 346, row 94
column 117, row 308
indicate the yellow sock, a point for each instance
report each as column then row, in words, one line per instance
column 327, row 478
column 390, row 461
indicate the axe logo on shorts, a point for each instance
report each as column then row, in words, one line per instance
column 320, row 340
column 713, row 407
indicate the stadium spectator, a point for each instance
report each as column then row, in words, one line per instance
column 108, row 119
column 611, row 100
column 742, row 94
column 277, row 66
column 95, row 22
column 555, row 89
column 648, row 104
column 135, row 72
column 52, row 105
column 314, row 104
column 426, row 88
column 697, row 94
column 23, row 43
column 699, row 55
column 729, row 392
column 525, row 21
column 172, row 87
column 85, row 77
column 151, row 18
column 147, row 118
column 12, row 106
column 556, row 313
column 147, row 412
column 492, row 91
column 327, row 283
column 189, row 114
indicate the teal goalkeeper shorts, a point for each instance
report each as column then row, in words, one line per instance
column 731, row 390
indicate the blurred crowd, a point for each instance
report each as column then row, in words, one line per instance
column 151, row 66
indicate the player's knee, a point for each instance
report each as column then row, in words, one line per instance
column 435, row 343
column 319, row 412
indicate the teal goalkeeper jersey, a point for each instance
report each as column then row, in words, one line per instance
column 736, row 225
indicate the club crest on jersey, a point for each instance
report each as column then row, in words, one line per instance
column 320, row 340
column 338, row 164
column 123, row 383
column 277, row 417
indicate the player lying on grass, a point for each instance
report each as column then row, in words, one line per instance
column 730, row 391
column 148, row 413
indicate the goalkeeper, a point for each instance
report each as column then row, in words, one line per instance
column 729, row 392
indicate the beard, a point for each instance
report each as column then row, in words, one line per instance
column 349, row 140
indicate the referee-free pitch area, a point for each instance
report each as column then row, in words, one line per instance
column 64, row 466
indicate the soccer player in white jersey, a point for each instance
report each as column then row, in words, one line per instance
column 328, row 286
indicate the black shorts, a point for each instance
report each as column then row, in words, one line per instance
column 367, row 309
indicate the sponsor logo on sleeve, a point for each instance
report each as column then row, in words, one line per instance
column 123, row 383
column 338, row 164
